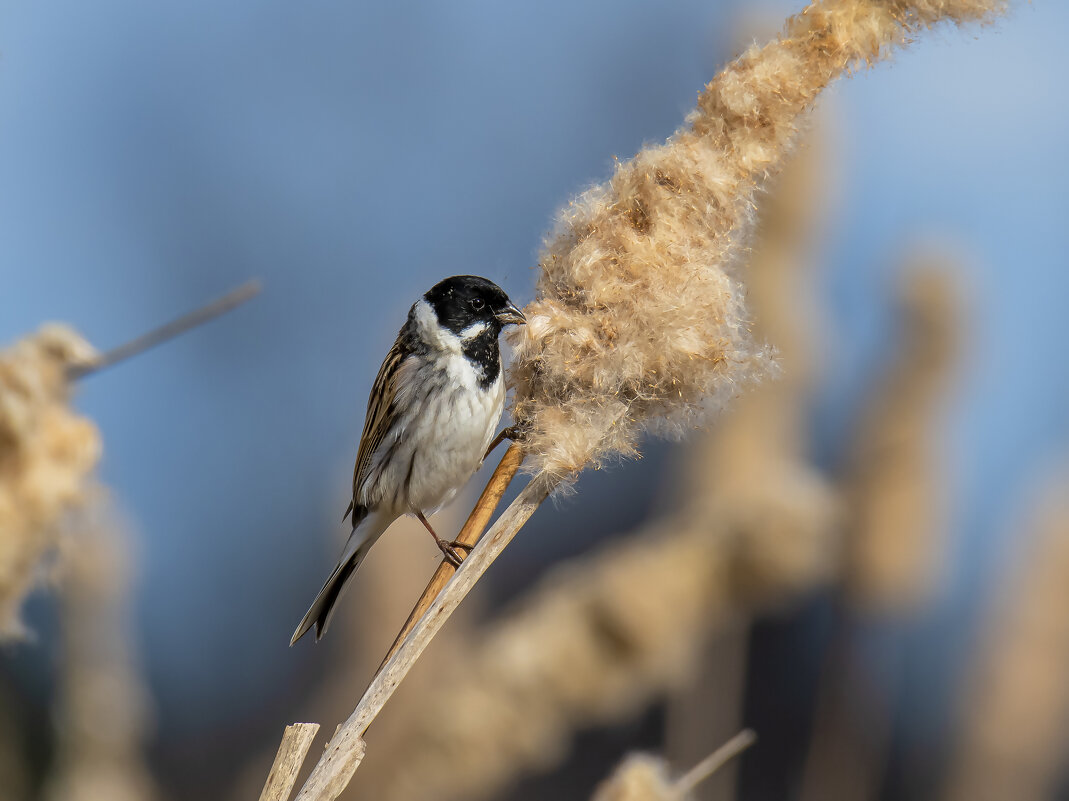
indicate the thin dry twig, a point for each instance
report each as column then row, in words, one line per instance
column 296, row 741
column 716, row 760
column 469, row 535
column 170, row 330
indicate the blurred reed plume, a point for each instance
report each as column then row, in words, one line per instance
column 751, row 471
column 103, row 705
column 892, row 491
column 893, row 522
column 754, row 468
column 644, row 777
column 588, row 647
column 1016, row 702
column 893, row 525
column 640, row 777
column 47, row 453
column 638, row 321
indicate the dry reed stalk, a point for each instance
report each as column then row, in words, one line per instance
column 1015, row 726
column 894, row 498
column 296, row 741
column 379, row 603
column 469, row 535
column 643, row 777
column 102, row 713
column 638, row 324
column 47, row 453
column 334, row 770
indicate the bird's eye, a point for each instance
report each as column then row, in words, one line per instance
column 477, row 304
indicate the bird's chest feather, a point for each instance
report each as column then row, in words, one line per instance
column 448, row 427
column 457, row 407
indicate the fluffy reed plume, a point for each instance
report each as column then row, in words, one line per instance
column 638, row 322
column 893, row 492
column 102, row 709
column 1016, row 704
column 46, row 454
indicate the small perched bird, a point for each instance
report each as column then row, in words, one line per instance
column 433, row 410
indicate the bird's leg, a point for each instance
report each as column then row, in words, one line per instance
column 449, row 549
column 512, row 432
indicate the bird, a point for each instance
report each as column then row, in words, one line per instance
column 431, row 418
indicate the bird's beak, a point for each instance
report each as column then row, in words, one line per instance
column 510, row 314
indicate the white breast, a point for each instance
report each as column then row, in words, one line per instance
column 452, row 436
column 446, row 423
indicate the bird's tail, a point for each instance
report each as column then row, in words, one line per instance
column 356, row 548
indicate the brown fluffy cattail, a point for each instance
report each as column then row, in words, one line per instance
column 638, row 323
column 46, row 454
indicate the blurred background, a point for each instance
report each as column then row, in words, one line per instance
column 910, row 266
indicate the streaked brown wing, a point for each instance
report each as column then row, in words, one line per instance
column 379, row 413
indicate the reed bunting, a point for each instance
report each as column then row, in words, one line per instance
column 433, row 410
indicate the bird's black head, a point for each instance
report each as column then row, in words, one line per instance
column 463, row 301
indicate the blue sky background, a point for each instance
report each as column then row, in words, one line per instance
column 152, row 156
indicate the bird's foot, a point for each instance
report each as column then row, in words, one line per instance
column 513, row 432
column 452, row 551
